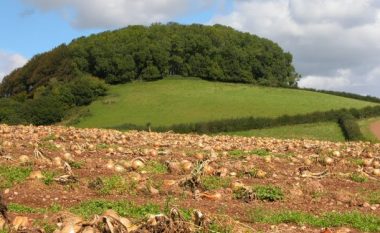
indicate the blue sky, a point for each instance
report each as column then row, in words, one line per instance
column 29, row 31
column 335, row 43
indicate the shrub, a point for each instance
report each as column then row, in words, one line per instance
column 350, row 128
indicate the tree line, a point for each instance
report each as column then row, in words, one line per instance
column 149, row 53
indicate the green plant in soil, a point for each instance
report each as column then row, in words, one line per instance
column 215, row 182
column 268, row 193
column 10, row 176
column 117, row 184
column 48, row 178
column 155, row 167
column 357, row 177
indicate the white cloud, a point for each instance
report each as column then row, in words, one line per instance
column 340, row 80
column 325, row 37
column 9, row 62
column 120, row 13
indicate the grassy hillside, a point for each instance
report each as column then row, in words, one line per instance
column 364, row 128
column 327, row 131
column 183, row 100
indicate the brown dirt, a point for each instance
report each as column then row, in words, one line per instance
column 375, row 129
column 93, row 148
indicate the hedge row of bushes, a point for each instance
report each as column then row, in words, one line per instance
column 350, row 128
column 347, row 116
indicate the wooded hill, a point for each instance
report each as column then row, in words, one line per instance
column 150, row 53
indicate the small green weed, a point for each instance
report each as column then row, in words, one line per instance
column 10, row 176
column 220, row 228
column 54, row 208
column 260, row 152
column 50, row 137
column 357, row 177
column 356, row 161
column 154, row 167
column 360, row 221
column 241, row 154
column 119, row 185
column 124, row 208
column 48, row 177
column 268, row 193
column 374, row 197
column 22, row 209
column 44, row 224
column 215, row 182
column 237, row 154
column 49, row 146
column 75, row 164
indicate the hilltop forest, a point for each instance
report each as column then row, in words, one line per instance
column 149, row 53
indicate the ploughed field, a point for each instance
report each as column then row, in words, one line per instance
column 189, row 100
column 91, row 180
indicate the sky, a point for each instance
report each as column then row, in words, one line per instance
column 335, row 43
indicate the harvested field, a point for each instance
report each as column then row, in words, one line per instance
column 215, row 184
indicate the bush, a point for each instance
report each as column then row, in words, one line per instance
column 44, row 110
column 10, row 111
column 86, row 89
column 350, row 128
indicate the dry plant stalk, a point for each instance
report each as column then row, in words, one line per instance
column 306, row 173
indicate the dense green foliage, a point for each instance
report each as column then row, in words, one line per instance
column 178, row 100
column 149, row 53
column 350, row 127
column 50, row 102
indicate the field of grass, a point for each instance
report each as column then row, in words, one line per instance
column 364, row 128
column 328, row 131
column 183, row 100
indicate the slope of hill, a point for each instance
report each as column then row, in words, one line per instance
column 183, row 100
column 237, row 184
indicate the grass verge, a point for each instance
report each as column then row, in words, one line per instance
column 329, row 131
column 359, row 221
